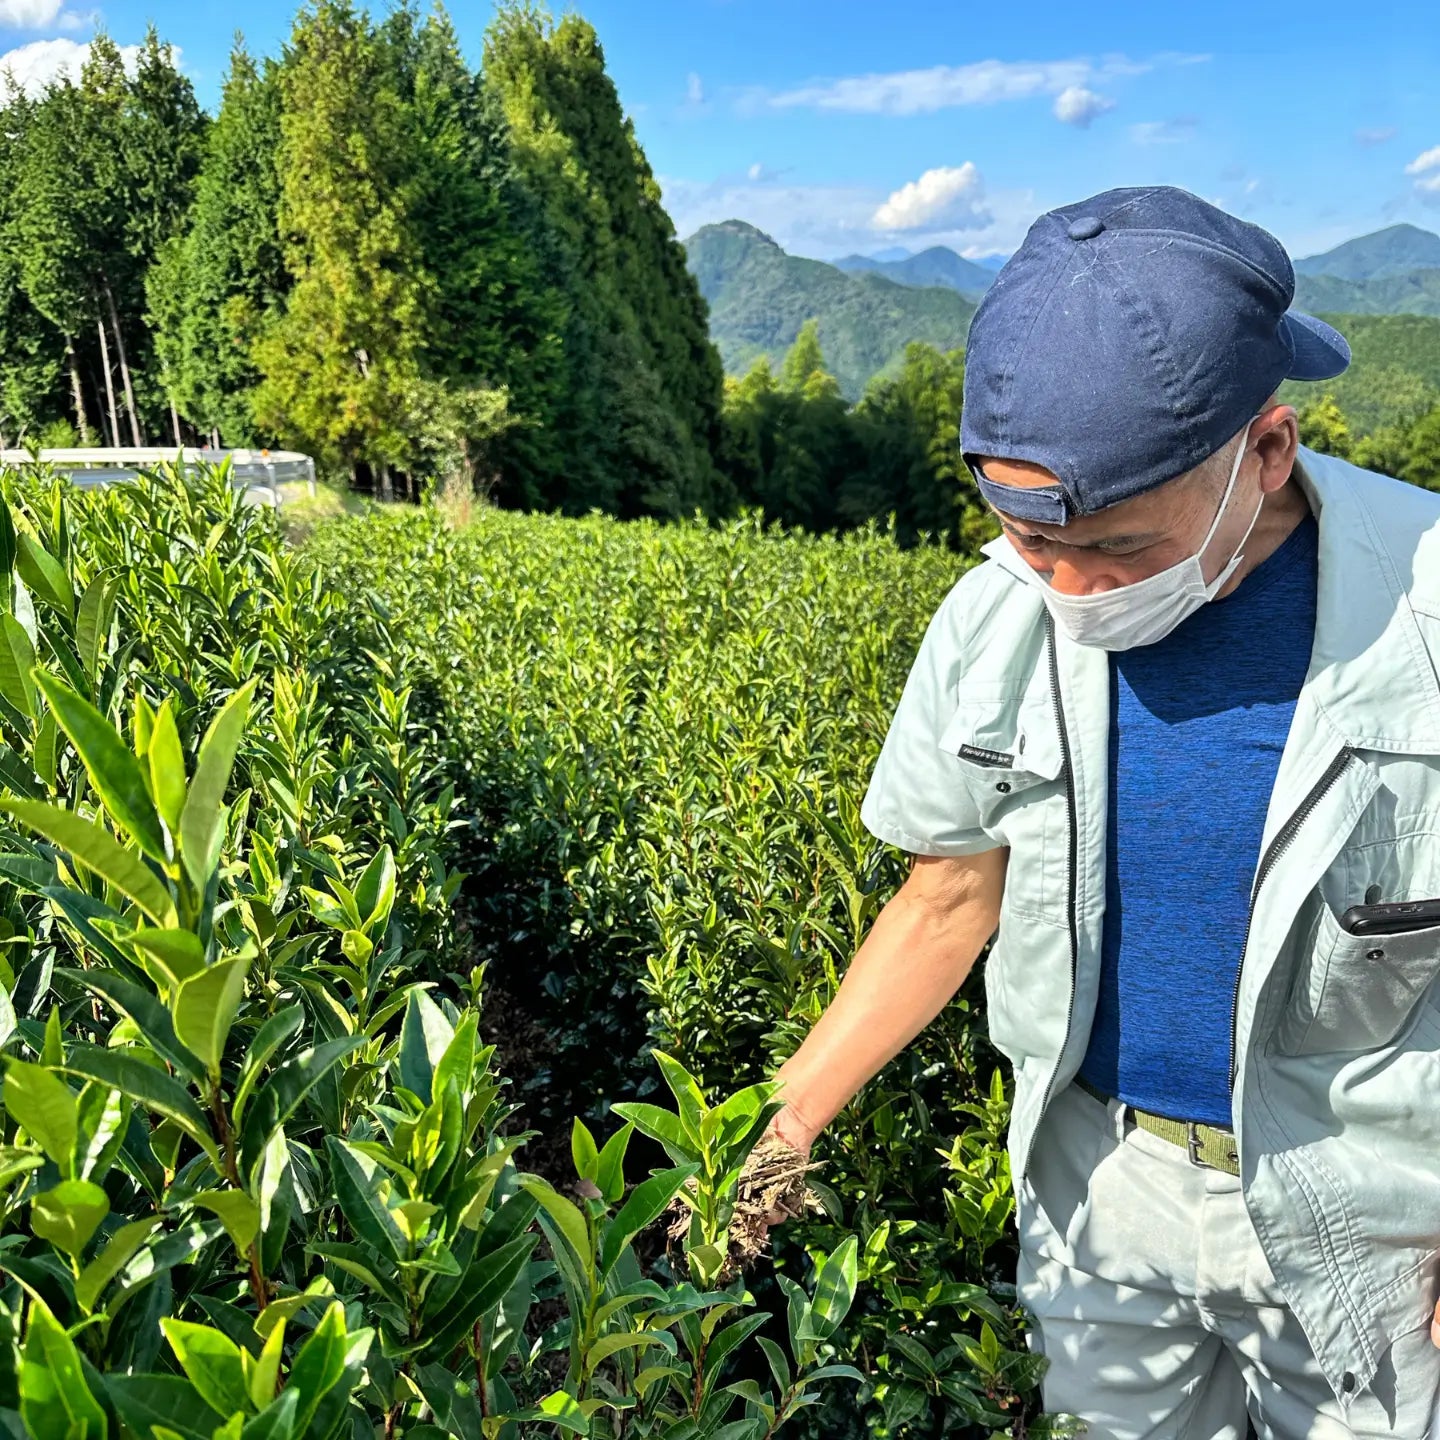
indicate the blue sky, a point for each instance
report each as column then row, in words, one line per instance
column 837, row 126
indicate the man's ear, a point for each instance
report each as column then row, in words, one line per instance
column 1276, row 447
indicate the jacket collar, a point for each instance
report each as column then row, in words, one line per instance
column 1371, row 681
column 1371, row 675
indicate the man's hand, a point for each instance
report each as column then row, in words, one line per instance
column 1435, row 1326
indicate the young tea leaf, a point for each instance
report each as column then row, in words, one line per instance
column 111, row 1260
column 201, row 832
column 97, row 849
column 17, row 658
column 167, row 768
column 204, row 1007
column 45, row 575
column 55, row 1401
column 212, row 1363
column 44, row 1105
column 113, row 770
column 69, row 1214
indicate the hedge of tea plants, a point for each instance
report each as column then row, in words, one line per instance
column 260, row 1175
column 664, row 733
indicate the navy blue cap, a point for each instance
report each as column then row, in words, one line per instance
column 1127, row 339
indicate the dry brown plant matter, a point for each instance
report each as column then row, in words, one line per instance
column 771, row 1189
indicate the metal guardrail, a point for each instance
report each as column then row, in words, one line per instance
column 259, row 473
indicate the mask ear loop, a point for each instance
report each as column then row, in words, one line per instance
column 1229, row 567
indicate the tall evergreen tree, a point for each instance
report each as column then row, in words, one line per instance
column 32, row 355
column 910, row 427
column 489, row 320
column 162, row 142
column 804, row 369
column 216, row 286
column 641, row 402
column 56, row 203
column 1422, row 464
column 1323, row 427
column 790, row 446
column 102, row 173
column 339, row 366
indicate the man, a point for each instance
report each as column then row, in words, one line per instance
column 1179, row 739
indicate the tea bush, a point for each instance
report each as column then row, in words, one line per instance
column 666, row 732
column 255, row 1171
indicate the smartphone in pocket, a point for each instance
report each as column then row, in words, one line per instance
column 1398, row 918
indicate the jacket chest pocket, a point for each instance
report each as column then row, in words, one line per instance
column 1358, row 992
column 1006, row 746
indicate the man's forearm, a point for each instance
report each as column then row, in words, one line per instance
column 913, row 960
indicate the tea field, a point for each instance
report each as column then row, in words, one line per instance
column 400, row 922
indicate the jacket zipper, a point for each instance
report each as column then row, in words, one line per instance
column 1073, row 877
column 1278, row 847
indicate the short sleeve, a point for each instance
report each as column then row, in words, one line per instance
column 917, row 798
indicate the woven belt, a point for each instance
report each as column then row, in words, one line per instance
column 1209, row 1145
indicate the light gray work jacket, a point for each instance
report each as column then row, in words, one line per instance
column 1001, row 738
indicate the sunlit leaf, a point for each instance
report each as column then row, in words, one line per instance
column 113, row 770
column 200, row 828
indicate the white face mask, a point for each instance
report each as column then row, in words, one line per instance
column 1148, row 610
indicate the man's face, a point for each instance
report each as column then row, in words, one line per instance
column 1138, row 538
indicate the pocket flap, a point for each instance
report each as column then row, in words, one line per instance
column 997, row 728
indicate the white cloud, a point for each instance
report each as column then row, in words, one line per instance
column 1427, row 185
column 942, row 87
column 43, row 15
column 946, row 196
column 28, row 14
column 694, row 89
column 911, row 92
column 1075, row 105
column 32, row 67
column 1164, row 132
column 1426, row 160
column 1375, row 136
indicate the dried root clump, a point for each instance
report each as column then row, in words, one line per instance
column 772, row 1184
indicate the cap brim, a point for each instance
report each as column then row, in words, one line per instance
column 1321, row 351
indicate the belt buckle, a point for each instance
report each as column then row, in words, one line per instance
column 1192, row 1145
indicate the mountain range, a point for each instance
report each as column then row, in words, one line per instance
column 938, row 265
column 868, row 307
column 759, row 298
column 1395, row 271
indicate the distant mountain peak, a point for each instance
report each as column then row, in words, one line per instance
column 1385, row 253
column 936, row 265
column 740, row 228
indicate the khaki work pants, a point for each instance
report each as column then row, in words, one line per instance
column 1154, row 1303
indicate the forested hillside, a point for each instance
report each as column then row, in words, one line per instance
column 1411, row 292
column 1391, row 251
column 759, row 298
column 1394, row 373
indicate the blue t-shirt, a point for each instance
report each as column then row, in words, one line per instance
column 1197, row 724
